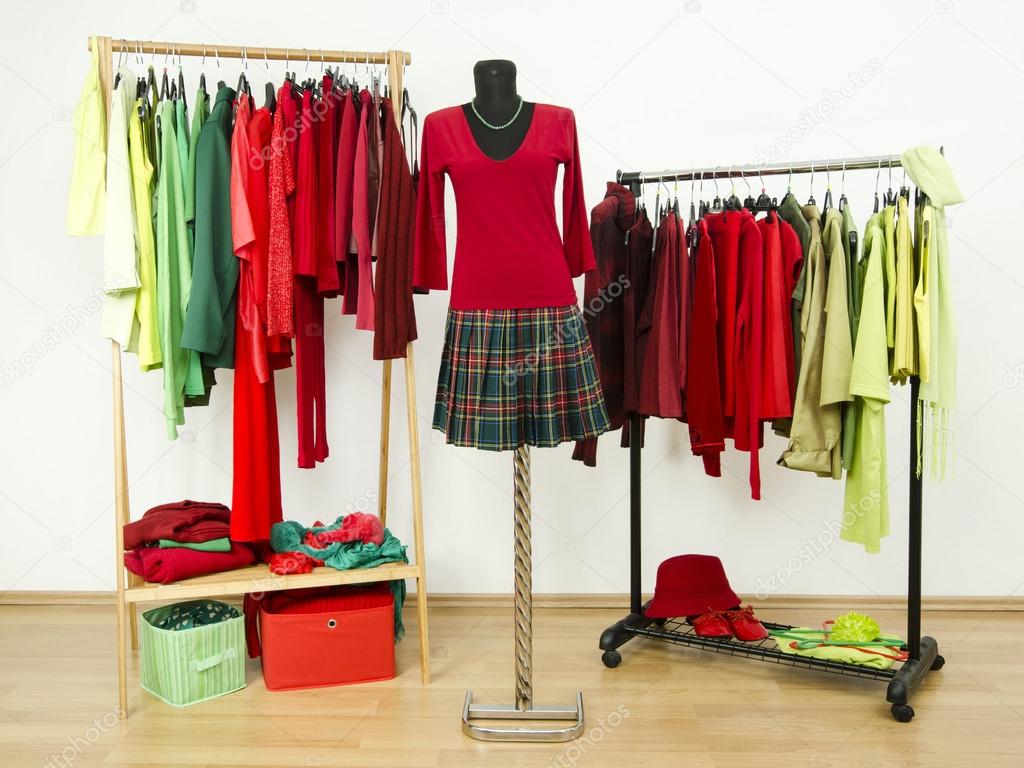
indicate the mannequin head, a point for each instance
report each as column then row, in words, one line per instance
column 495, row 81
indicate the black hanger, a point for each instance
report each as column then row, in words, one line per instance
column 164, row 86
column 270, row 101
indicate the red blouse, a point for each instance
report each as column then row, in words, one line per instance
column 508, row 253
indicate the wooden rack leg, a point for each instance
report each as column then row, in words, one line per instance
column 385, row 439
column 120, row 518
column 417, row 513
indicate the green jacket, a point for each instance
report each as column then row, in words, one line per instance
column 210, row 321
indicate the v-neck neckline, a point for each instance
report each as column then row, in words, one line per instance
column 479, row 149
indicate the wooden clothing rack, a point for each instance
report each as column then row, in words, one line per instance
column 258, row 578
column 923, row 651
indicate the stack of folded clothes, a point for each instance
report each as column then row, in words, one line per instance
column 181, row 540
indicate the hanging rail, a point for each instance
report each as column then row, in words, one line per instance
column 923, row 651
column 253, row 52
column 765, row 169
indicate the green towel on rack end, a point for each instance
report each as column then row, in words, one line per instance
column 290, row 536
column 787, row 641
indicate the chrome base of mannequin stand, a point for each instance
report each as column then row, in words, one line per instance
column 541, row 712
column 523, row 708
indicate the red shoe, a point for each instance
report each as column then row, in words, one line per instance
column 745, row 625
column 712, row 624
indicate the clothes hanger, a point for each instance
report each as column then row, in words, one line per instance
column 810, row 200
column 243, row 79
column 716, row 204
column 220, row 77
column 904, row 189
column 842, row 190
column 732, row 203
column 828, row 187
column 703, row 207
column 763, row 204
column 181, row 80
column 202, row 73
column 117, row 68
column 878, row 173
column 890, row 198
column 270, row 97
column 748, row 202
column 165, row 89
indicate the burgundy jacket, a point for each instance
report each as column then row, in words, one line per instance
column 394, row 320
column 605, row 305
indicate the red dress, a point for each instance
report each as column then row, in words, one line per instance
column 703, row 392
column 362, row 206
column 662, row 376
column 344, row 248
column 747, row 432
column 327, row 280
column 509, row 252
column 256, row 476
column 776, row 401
column 279, row 257
column 310, row 383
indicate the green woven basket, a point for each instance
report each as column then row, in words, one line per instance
column 186, row 666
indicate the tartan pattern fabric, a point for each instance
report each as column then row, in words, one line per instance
column 515, row 376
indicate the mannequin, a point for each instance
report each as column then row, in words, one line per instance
column 497, row 100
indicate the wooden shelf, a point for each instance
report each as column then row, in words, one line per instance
column 258, row 578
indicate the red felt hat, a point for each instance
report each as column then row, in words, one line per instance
column 690, row 584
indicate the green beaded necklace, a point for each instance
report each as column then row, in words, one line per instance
column 493, row 127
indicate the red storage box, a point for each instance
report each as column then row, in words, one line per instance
column 312, row 638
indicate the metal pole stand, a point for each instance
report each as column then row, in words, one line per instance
column 523, row 708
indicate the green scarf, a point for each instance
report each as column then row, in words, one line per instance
column 290, row 535
column 931, row 173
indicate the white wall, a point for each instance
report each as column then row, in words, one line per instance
column 663, row 84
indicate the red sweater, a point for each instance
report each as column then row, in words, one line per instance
column 508, row 253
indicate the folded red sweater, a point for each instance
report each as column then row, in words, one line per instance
column 162, row 566
column 188, row 521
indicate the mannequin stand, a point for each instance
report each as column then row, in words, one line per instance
column 523, row 708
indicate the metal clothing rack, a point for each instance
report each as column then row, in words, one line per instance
column 923, row 651
column 131, row 590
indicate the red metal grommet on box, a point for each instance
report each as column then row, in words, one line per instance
column 312, row 638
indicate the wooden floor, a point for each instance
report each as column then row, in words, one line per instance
column 662, row 707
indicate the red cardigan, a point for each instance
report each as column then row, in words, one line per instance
column 508, row 253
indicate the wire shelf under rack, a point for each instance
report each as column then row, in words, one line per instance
column 677, row 631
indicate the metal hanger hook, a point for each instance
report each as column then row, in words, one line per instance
column 216, row 55
column 266, row 61
column 812, row 178
column 307, row 60
column 828, row 174
column 714, row 178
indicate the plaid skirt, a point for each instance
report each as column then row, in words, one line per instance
column 515, row 376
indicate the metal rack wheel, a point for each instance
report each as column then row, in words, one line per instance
column 611, row 659
column 939, row 663
column 903, row 713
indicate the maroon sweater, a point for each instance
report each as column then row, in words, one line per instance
column 187, row 521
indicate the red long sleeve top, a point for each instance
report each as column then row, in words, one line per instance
column 508, row 252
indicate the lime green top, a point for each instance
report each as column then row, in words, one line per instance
column 174, row 277
column 866, row 503
column 142, row 193
column 87, row 195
